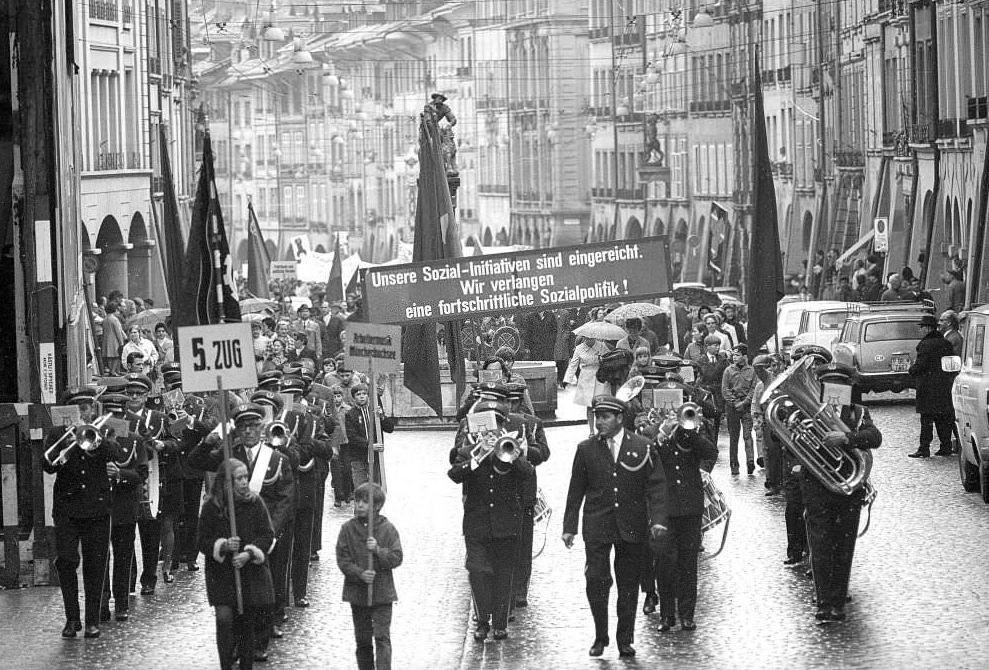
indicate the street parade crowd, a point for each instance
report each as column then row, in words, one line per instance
column 144, row 460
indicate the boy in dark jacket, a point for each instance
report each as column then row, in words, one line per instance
column 372, row 620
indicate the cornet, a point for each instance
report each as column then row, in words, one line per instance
column 86, row 436
column 277, row 434
column 507, row 448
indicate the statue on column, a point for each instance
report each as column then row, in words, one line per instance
column 653, row 154
column 438, row 110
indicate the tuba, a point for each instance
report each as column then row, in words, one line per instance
column 795, row 412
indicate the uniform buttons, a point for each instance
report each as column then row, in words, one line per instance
column 614, row 474
column 678, row 481
column 84, row 486
column 82, row 472
column 616, row 504
column 491, row 490
column 616, row 489
column 491, row 505
column 678, row 467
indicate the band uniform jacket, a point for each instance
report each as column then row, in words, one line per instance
column 933, row 384
column 82, row 487
column 682, row 457
column 493, row 493
column 132, row 462
column 621, row 499
column 312, row 442
column 537, row 451
column 357, row 431
column 278, row 490
column 863, row 434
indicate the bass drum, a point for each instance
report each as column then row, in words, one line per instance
column 716, row 510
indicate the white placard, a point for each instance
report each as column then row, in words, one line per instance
column 667, row 400
column 482, row 421
column 492, row 376
column 65, row 415
column 43, row 251
column 836, row 395
column 687, row 374
column 217, row 351
column 364, row 342
column 46, row 370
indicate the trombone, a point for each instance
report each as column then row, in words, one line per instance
column 86, row 436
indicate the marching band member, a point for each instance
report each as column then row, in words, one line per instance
column 493, row 509
column 129, row 473
column 81, row 512
column 833, row 518
column 270, row 475
column 623, row 491
column 361, row 435
column 200, row 422
column 683, row 455
column 536, row 453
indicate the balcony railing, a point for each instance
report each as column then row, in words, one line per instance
column 978, row 108
column 768, row 77
column 154, row 65
column 702, row 106
column 922, row 133
column 104, row 10
column 109, row 160
column 952, row 128
column 598, row 33
column 463, row 71
column 850, row 159
column 127, row 12
column 601, row 192
column 497, row 189
column 157, row 184
column 630, row 193
column 783, row 74
column 133, row 160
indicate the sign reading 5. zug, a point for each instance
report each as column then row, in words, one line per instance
column 225, row 351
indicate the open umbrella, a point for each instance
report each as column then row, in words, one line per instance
column 639, row 310
column 600, row 330
column 254, row 305
column 149, row 318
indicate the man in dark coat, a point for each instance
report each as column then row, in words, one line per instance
column 712, row 368
column 933, row 389
column 539, row 333
column 622, row 486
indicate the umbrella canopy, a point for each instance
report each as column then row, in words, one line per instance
column 696, row 296
column 639, row 310
column 600, row 330
column 253, row 305
column 149, row 318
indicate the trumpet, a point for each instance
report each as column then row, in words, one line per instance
column 277, row 434
column 687, row 417
column 507, row 449
column 86, row 436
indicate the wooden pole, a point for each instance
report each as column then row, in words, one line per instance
column 225, row 440
column 371, row 455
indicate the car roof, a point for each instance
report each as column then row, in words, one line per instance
column 981, row 309
column 822, row 305
column 884, row 316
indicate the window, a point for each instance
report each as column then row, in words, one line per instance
column 978, row 340
column 888, row 331
column 832, row 320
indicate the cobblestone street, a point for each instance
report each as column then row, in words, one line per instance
column 919, row 588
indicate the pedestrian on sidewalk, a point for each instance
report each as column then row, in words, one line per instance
column 372, row 620
column 247, row 551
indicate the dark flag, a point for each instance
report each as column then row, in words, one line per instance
column 718, row 226
column 171, row 227
column 765, row 276
column 436, row 237
column 334, row 283
column 208, row 294
column 258, row 259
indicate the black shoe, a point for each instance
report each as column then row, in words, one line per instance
column 314, row 556
column 760, row 462
column 823, row 614
column 260, row 656
column 734, row 471
column 147, row 590
column 302, row 602
column 597, row 648
column 838, row 614
column 281, row 616
column 481, row 632
column 337, row 503
column 626, row 651
column 921, row 453
column 773, row 491
column 276, row 632
column 71, row 628
column 667, row 624
column 167, row 577
column 649, row 604
column 521, row 603
column 943, row 452
column 92, row 631
column 105, row 615
column 175, row 565
column 500, row 634
column 121, row 615
column 688, row 624
column 793, row 560
column 750, row 466
column 192, row 567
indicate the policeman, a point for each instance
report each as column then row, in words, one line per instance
column 493, row 513
column 270, row 475
column 81, row 511
column 833, row 518
column 536, row 453
column 623, row 490
column 129, row 472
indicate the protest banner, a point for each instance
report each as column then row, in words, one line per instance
column 282, row 270
column 538, row 279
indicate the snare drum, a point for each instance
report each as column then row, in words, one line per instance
column 715, row 506
column 541, row 511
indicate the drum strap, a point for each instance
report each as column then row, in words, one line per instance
column 260, row 468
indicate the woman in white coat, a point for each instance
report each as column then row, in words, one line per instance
column 585, row 360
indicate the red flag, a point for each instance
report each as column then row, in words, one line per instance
column 171, row 227
column 334, row 283
column 208, row 294
column 258, row 259
column 437, row 236
column 765, row 274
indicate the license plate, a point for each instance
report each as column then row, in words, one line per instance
column 899, row 364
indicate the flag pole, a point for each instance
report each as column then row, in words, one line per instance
column 225, row 441
column 214, row 236
column 371, row 457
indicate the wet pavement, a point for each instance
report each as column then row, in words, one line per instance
column 921, row 594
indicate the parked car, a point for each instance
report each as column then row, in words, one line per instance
column 787, row 324
column 970, row 396
column 880, row 342
column 822, row 320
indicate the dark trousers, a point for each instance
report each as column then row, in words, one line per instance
column 832, row 529
column 523, row 566
column 340, row 479
column 301, row 550
column 150, row 532
column 372, row 631
column 944, row 423
column 739, row 423
column 358, row 472
column 561, row 370
column 280, row 561
column 94, row 537
column 185, row 534
column 122, row 545
column 235, row 636
column 796, row 527
column 774, row 458
column 629, row 560
column 676, row 566
column 318, row 503
column 490, row 564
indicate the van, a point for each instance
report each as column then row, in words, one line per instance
column 787, row 324
column 822, row 320
column 970, row 397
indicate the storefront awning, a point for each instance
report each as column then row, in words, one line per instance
column 861, row 242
